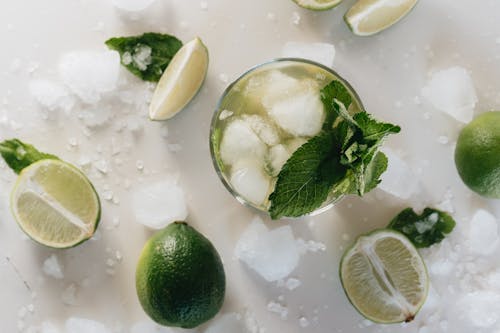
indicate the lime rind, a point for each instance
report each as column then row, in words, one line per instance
column 317, row 5
column 29, row 200
column 416, row 261
column 364, row 11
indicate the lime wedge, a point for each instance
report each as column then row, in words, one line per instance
column 181, row 81
column 317, row 4
column 367, row 17
column 55, row 204
column 384, row 277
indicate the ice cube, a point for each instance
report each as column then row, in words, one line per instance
column 398, row 179
column 452, row 91
column 240, row 141
column 265, row 88
column 90, row 74
column 277, row 157
column 483, row 233
column 81, row 325
column 300, row 114
column 250, row 181
column 323, row 53
column 273, row 254
column 264, row 130
column 52, row 268
column 48, row 327
column 159, row 204
column 51, row 95
column 227, row 323
column 132, row 5
column 482, row 308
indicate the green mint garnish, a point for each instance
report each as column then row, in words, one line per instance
column 423, row 230
column 19, row 155
column 342, row 159
column 147, row 55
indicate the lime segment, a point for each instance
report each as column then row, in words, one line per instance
column 55, row 204
column 317, row 4
column 367, row 17
column 384, row 277
column 181, row 81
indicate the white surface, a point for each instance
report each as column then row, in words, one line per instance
column 388, row 71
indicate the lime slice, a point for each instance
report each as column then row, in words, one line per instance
column 317, row 4
column 181, row 81
column 384, row 277
column 367, row 17
column 55, row 204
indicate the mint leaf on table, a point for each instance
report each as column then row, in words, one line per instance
column 342, row 159
column 147, row 55
column 19, row 155
column 423, row 230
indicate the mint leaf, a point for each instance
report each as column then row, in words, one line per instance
column 305, row 180
column 147, row 55
column 19, row 155
column 334, row 96
column 423, row 230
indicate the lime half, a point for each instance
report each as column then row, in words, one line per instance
column 55, row 204
column 384, row 277
column 181, row 81
column 317, row 4
column 367, row 17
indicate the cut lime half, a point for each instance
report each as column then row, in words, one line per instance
column 181, row 81
column 384, row 277
column 317, row 4
column 367, row 17
column 55, row 204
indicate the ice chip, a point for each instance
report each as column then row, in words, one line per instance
column 322, row 53
column 240, row 141
column 250, row 181
column 483, row 233
column 301, row 114
column 51, row 95
column 398, row 180
column 273, row 254
column 452, row 91
column 227, row 323
column 132, row 5
column 52, row 268
column 159, row 204
column 482, row 308
column 264, row 130
column 96, row 116
column 90, row 74
column 81, row 325
column 276, row 158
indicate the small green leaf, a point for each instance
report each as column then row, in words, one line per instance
column 147, row 55
column 335, row 98
column 19, row 155
column 423, row 230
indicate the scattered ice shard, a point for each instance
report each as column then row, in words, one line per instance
column 452, row 91
column 483, row 233
column 90, row 74
column 159, row 204
column 227, row 323
column 322, row 53
column 250, row 181
column 481, row 308
column 132, row 5
column 240, row 141
column 273, row 254
column 52, row 268
column 51, row 95
column 81, row 325
column 276, row 158
column 398, row 179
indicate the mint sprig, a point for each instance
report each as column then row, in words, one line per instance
column 342, row 159
column 425, row 229
column 18, row 155
column 147, row 55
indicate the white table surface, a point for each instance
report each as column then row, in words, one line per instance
column 387, row 71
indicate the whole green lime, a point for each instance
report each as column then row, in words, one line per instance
column 180, row 279
column 477, row 155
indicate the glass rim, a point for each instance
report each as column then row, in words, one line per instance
column 217, row 111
